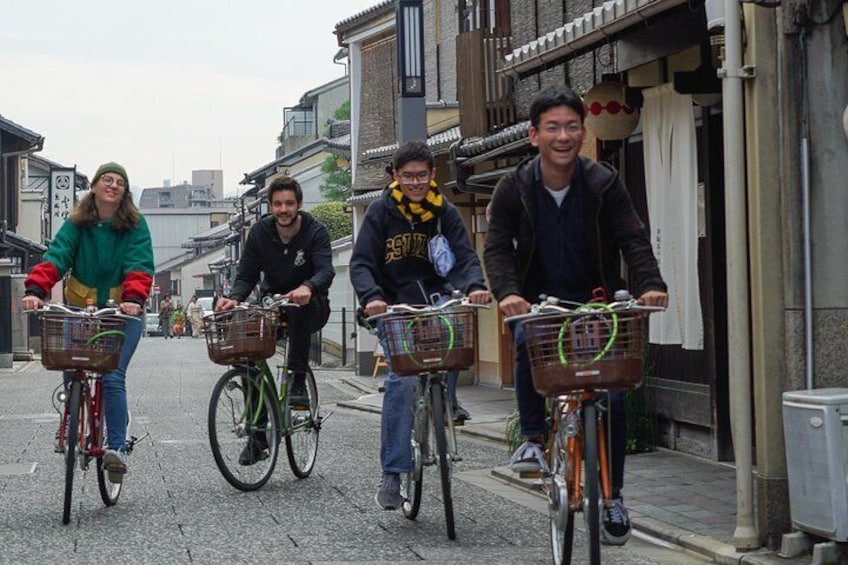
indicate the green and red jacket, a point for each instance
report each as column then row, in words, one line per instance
column 103, row 263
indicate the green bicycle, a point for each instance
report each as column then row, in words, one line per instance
column 249, row 411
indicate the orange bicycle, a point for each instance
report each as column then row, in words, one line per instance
column 577, row 355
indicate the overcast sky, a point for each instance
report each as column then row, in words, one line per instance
column 165, row 86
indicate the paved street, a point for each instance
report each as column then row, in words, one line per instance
column 176, row 508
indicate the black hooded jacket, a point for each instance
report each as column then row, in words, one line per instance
column 307, row 259
column 612, row 229
column 390, row 258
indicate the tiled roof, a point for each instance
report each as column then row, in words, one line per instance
column 365, row 197
column 365, row 15
column 439, row 143
column 514, row 134
column 18, row 130
column 583, row 32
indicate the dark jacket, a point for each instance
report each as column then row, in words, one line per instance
column 307, row 259
column 390, row 258
column 612, row 228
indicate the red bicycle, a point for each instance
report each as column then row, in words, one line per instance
column 86, row 345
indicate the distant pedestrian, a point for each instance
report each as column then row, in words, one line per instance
column 166, row 310
column 178, row 322
column 195, row 316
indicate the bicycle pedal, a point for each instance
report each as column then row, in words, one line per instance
column 456, row 457
column 458, row 422
column 532, row 475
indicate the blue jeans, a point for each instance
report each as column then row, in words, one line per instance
column 398, row 416
column 531, row 411
column 115, row 390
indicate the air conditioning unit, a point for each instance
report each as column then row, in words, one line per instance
column 815, row 427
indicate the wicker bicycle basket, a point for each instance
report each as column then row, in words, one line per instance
column 241, row 335
column 600, row 350
column 431, row 342
column 70, row 341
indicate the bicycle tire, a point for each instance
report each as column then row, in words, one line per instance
column 109, row 491
column 234, row 425
column 560, row 514
column 412, row 482
column 437, row 399
column 592, row 502
column 302, row 429
column 71, row 441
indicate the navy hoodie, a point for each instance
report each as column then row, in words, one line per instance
column 391, row 262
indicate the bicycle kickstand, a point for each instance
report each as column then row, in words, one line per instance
column 134, row 440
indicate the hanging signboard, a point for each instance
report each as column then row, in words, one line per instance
column 62, row 196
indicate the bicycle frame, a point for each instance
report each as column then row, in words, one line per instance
column 91, row 407
column 569, row 420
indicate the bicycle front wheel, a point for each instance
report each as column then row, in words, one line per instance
column 560, row 487
column 411, row 482
column 302, row 427
column 71, row 446
column 592, row 502
column 109, row 491
column 437, row 400
column 244, row 431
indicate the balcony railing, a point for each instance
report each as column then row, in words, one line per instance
column 485, row 96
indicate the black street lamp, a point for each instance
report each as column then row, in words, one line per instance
column 410, row 35
column 412, row 107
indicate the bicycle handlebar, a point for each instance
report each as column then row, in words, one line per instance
column 403, row 308
column 550, row 305
column 102, row 312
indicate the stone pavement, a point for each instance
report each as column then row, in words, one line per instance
column 682, row 499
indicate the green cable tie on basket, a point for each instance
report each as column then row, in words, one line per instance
column 107, row 333
column 416, row 319
column 588, row 308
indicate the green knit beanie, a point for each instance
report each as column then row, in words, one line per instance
column 111, row 167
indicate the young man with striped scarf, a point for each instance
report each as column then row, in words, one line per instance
column 391, row 264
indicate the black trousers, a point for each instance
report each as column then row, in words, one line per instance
column 302, row 323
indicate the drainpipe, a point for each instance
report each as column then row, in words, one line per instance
column 805, row 203
column 738, row 327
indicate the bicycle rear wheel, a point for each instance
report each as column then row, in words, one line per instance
column 109, row 491
column 437, row 399
column 302, row 427
column 71, row 446
column 244, row 431
column 592, row 502
column 560, row 514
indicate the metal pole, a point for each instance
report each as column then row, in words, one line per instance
column 344, row 336
column 738, row 308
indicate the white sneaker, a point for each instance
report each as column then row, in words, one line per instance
column 115, row 463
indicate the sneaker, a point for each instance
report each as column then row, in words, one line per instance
column 460, row 414
column 58, row 446
column 529, row 458
column 256, row 450
column 298, row 395
column 115, row 463
column 388, row 495
column 615, row 523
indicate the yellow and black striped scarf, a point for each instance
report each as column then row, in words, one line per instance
column 423, row 211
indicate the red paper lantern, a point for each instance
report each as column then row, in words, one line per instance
column 607, row 115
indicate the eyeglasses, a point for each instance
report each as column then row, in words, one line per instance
column 110, row 181
column 573, row 128
column 420, row 176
